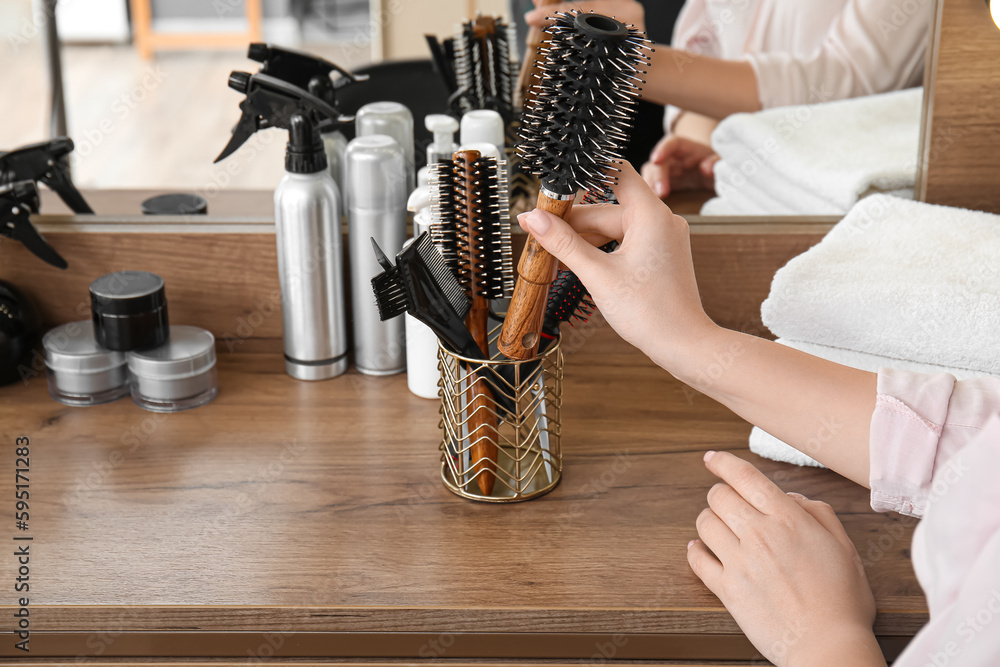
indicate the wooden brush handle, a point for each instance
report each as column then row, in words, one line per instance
column 482, row 433
column 529, row 69
column 481, row 407
column 522, row 329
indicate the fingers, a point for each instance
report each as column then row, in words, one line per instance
column 600, row 219
column 746, row 480
column 631, row 189
column 706, row 566
column 824, row 514
column 565, row 244
column 657, row 177
column 731, row 508
column 714, row 532
column 707, row 169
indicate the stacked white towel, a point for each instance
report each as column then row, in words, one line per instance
column 817, row 159
column 896, row 284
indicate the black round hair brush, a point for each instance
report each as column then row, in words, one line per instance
column 571, row 136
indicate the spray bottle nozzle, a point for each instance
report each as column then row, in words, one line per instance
column 46, row 162
column 272, row 102
column 301, row 69
column 239, row 81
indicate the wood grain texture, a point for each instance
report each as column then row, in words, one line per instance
column 536, row 269
column 297, row 507
column 960, row 144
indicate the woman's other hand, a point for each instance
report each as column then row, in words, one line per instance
column 679, row 163
column 785, row 569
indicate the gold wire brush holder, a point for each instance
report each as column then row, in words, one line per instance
column 528, row 455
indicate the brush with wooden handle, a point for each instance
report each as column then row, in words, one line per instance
column 483, row 70
column 571, row 136
column 472, row 227
column 530, row 67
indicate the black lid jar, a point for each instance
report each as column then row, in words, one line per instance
column 130, row 310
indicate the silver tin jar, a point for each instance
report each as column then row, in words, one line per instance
column 81, row 372
column 178, row 375
column 394, row 120
column 376, row 209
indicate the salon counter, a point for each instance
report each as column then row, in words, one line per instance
column 308, row 519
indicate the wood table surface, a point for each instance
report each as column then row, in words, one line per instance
column 308, row 519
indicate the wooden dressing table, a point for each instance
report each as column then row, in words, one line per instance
column 307, row 521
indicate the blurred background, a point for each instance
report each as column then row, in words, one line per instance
column 155, row 118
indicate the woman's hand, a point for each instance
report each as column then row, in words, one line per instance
column 785, row 569
column 627, row 11
column 679, row 163
column 646, row 288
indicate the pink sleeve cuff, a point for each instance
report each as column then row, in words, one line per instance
column 910, row 411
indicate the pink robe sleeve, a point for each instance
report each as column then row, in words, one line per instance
column 956, row 556
column 873, row 47
column 920, row 422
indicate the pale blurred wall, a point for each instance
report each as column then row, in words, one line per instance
column 405, row 22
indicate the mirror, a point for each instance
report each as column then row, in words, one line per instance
column 150, row 125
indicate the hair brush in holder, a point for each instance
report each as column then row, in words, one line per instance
column 483, row 67
column 469, row 200
column 570, row 136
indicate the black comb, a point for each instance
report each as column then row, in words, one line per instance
column 581, row 110
column 422, row 285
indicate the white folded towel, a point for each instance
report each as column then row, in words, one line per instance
column 764, row 444
column 901, row 280
column 818, row 158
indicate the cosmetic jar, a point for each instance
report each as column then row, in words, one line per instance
column 178, row 375
column 130, row 310
column 81, row 372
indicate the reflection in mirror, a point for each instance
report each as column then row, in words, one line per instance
column 772, row 107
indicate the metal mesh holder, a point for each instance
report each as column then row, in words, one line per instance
column 528, row 457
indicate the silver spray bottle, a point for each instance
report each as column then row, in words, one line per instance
column 310, row 259
column 376, row 209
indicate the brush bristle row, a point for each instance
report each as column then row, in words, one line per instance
column 472, row 224
column 578, row 119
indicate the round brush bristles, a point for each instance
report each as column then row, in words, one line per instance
column 482, row 65
column 578, row 119
column 471, row 228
